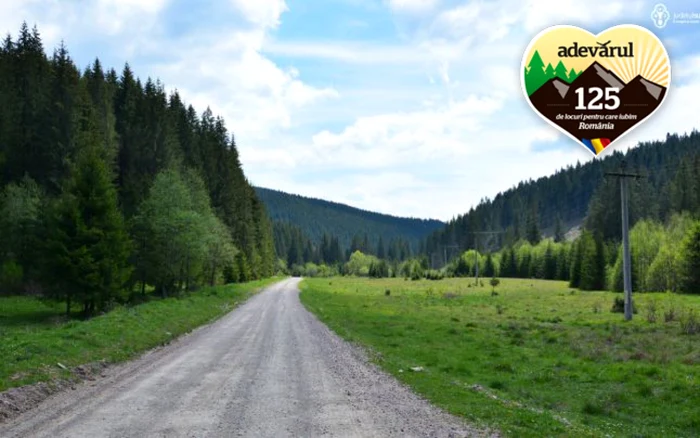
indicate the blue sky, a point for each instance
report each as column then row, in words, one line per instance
column 407, row 107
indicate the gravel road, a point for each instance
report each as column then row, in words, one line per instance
column 267, row 369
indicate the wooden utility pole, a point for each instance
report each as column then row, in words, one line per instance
column 626, row 262
column 444, row 252
column 476, row 251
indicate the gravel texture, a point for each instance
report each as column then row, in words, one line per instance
column 267, row 369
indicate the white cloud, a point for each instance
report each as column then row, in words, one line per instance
column 262, row 12
column 429, row 134
column 540, row 14
column 79, row 20
column 116, row 16
column 412, row 6
column 254, row 95
column 344, row 51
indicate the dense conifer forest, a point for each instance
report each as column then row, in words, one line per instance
column 313, row 226
column 582, row 195
column 110, row 186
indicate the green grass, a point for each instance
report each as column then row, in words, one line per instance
column 35, row 335
column 548, row 360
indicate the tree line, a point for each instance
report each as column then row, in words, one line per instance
column 665, row 257
column 109, row 185
column 294, row 248
column 580, row 195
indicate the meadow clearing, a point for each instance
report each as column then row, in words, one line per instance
column 537, row 359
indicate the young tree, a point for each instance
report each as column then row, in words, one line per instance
column 592, row 262
column 549, row 264
column 461, row 268
column 563, row 268
column 489, row 269
column 507, row 268
column 88, row 247
column 576, row 258
column 691, row 256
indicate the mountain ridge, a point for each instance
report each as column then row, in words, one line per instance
column 316, row 217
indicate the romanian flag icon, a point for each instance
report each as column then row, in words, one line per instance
column 596, row 145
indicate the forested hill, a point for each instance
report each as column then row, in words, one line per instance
column 108, row 182
column 581, row 194
column 316, row 217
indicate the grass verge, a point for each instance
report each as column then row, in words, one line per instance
column 538, row 359
column 36, row 336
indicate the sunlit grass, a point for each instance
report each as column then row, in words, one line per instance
column 35, row 335
column 538, row 359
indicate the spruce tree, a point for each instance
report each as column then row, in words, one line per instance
column 691, row 255
column 533, row 228
column 88, row 246
column 506, row 266
column 563, row 268
column 550, row 263
column 380, row 248
column 592, row 262
column 575, row 274
column 489, row 268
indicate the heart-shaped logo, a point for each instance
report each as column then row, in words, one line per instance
column 596, row 88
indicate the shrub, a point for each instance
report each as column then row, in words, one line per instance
column 619, row 306
column 651, row 312
column 434, row 275
column 690, row 325
column 670, row 314
column 387, row 292
column 11, row 275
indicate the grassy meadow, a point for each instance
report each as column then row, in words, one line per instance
column 538, row 359
column 36, row 335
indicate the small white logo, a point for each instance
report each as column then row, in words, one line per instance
column 660, row 15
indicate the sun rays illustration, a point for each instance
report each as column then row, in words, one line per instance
column 651, row 62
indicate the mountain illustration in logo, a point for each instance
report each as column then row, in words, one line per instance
column 638, row 99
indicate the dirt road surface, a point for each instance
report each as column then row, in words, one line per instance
column 267, row 369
